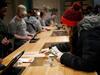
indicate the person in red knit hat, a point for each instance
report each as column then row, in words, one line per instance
column 72, row 15
column 83, row 50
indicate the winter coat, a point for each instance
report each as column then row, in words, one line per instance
column 85, row 46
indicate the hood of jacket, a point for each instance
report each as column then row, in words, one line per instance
column 88, row 22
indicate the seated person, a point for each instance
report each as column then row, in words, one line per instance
column 30, row 26
column 50, row 19
column 17, row 26
column 5, row 45
column 34, row 20
column 42, row 20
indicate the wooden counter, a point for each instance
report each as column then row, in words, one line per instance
column 43, row 70
column 53, row 71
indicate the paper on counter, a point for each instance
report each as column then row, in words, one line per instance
column 34, row 54
column 26, row 60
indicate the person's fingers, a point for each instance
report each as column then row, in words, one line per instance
column 5, row 39
column 45, row 52
column 42, row 51
column 58, row 59
column 8, row 42
column 1, row 60
column 28, row 38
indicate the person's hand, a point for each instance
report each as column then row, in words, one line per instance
column 31, row 34
column 28, row 38
column 46, row 50
column 1, row 60
column 58, row 58
column 5, row 41
column 34, row 34
column 44, row 30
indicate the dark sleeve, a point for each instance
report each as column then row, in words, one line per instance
column 1, row 38
column 8, row 35
column 4, row 32
column 47, row 21
column 91, row 46
column 1, row 29
column 63, row 47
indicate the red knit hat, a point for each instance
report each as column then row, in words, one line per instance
column 72, row 15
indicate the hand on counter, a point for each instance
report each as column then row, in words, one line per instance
column 58, row 58
column 32, row 35
column 43, row 29
column 28, row 38
column 5, row 41
column 46, row 50
column 46, row 28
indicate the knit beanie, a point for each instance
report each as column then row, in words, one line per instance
column 72, row 15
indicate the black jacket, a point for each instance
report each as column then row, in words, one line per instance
column 86, row 46
column 4, row 33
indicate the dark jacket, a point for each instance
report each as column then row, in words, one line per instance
column 85, row 47
column 4, row 33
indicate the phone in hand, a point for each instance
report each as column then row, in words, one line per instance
column 54, row 50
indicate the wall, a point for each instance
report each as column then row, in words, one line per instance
column 52, row 3
column 11, row 10
column 38, row 4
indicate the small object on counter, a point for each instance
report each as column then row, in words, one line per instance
column 54, row 50
column 26, row 60
column 49, row 61
column 33, row 40
column 33, row 54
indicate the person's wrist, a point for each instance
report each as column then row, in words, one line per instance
column 24, row 38
column 1, row 60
